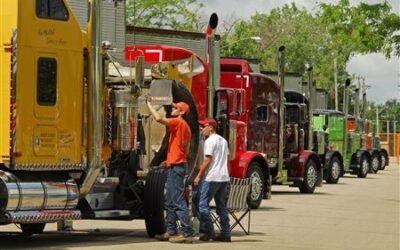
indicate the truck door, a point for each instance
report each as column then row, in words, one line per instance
column 222, row 104
column 49, row 88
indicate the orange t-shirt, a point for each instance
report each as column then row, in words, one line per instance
column 179, row 141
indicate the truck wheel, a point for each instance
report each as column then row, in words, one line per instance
column 334, row 171
column 257, row 185
column 384, row 160
column 154, row 201
column 32, row 228
column 375, row 163
column 364, row 167
column 310, row 178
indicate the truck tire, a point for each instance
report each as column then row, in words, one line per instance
column 365, row 166
column 257, row 185
column 334, row 172
column 310, row 178
column 32, row 228
column 375, row 163
column 384, row 160
column 154, row 201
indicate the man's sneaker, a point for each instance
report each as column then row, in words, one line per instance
column 165, row 236
column 223, row 238
column 205, row 237
column 181, row 239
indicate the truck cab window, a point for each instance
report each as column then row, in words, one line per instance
column 52, row 9
column 262, row 113
column 46, row 91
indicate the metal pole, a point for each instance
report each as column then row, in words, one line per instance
column 95, row 92
column 388, row 134
column 311, row 98
column 281, row 79
column 377, row 121
column 345, row 107
column 212, row 25
column 336, row 84
column 396, row 152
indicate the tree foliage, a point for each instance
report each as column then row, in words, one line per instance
column 390, row 111
column 171, row 14
column 334, row 32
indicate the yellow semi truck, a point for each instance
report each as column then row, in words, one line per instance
column 72, row 139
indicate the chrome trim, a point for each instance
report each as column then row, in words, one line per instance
column 281, row 80
column 45, row 216
column 29, row 191
column 48, row 166
column 95, row 94
column 311, row 98
column 210, row 60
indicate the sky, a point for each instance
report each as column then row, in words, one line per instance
column 382, row 75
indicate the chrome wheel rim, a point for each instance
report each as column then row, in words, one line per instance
column 311, row 176
column 383, row 159
column 375, row 164
column 365, row 166
column 256, row 186
column 335, row 172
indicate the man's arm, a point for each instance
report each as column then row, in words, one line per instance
column 156, row 115
column 203, row 168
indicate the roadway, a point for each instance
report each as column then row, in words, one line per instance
column 354, row 214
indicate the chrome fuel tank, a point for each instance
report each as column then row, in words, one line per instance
column 23, row 191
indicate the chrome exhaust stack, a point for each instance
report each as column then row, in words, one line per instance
column 281, row 81
column 95, row 93
column 210, row 60
column 356, row 106
column 346, row 113
column 311, row 103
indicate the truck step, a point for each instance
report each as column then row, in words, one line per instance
column 45, row 216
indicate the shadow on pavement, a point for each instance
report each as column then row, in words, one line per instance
column 297, row 193
column 64, row 240
column 270, row 209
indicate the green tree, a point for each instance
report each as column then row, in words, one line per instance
column 171, row 14
column 390, row 111
column 334, row 32
column 364, row 28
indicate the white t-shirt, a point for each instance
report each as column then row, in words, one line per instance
column 217, row 147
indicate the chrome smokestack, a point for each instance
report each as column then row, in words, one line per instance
column 281, row 81
column 210, row 60
column 364, row 106
column 356, row 105
column 311, row 103
column 95, row 91
column 346, row 113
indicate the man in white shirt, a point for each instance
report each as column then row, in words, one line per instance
column 214, row 178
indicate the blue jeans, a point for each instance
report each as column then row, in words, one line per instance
column 175, row 202
column 218, row 191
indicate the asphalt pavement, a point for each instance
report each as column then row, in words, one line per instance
column 353, row 214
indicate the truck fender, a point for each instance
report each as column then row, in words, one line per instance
column 360, row 153
column 329, row 155
column 297, row 165
column 384, row 153
column 240, row 165
column 374, row 151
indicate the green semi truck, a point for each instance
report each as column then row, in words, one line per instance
column 338, row 144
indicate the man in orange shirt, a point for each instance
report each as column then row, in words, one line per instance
column 176, row 164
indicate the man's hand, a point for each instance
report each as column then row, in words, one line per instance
column 197, row 180
column 163, row 164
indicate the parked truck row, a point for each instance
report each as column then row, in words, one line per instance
column 78, row 142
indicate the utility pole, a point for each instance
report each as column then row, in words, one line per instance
column 336, row 84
